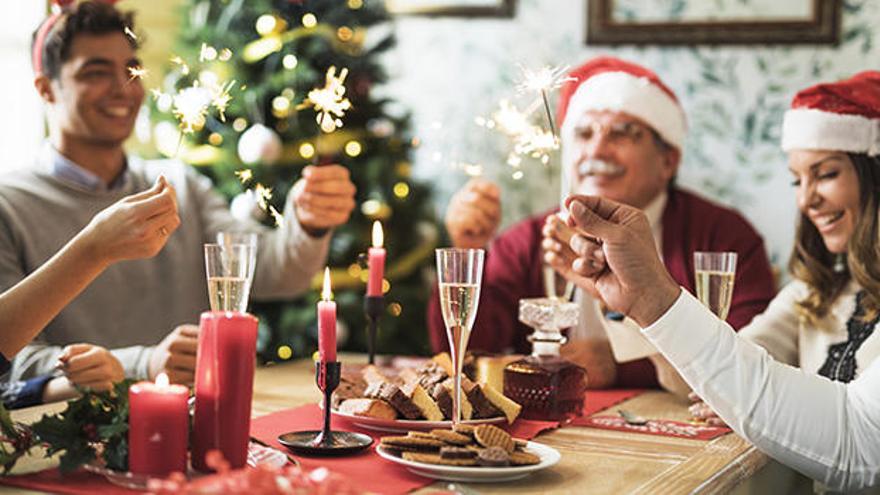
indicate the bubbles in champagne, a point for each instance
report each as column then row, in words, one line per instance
column 715, row 290
column 228, row 293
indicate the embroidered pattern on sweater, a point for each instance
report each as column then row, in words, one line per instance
column 840, row 365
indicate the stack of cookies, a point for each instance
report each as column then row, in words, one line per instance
column 423, row 393
column 464, row 445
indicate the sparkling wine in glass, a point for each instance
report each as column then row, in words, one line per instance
column 229, row 270
column 459, row 275
column 228, row 238
column 715, row 274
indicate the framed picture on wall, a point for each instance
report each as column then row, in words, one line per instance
column 460, row 8
column 719, row 22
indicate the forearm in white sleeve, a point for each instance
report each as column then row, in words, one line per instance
column 135, row 360
column 828, row 430
column 35, row 359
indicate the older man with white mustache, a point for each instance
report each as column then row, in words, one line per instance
column 622, row 133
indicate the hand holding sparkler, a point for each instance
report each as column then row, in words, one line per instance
column 474, row 214
column 323, row 198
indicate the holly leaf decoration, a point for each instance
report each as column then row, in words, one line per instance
column 95, row 419
column 16, row 439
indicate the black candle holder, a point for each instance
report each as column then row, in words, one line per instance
column 374, row 306
column 326, row 441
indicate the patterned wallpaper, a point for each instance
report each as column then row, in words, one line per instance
column 450, row 71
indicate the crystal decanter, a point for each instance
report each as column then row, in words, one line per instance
column 547, row 386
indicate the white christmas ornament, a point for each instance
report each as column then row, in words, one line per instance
column 245, row 207
column 259, row 144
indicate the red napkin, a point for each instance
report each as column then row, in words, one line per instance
column 372, row 473
column 663, row 427
column 78, row 483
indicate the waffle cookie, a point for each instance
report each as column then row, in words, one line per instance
column 451, row 437
column 488, row 447
column 492, row 436
column 493, row 457
column 437, row 459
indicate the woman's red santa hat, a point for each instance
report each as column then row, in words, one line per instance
column 609, row 83
column 840, row 116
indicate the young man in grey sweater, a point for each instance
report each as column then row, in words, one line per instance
column 143, row 311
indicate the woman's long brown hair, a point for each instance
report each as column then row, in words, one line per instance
column 812, row 263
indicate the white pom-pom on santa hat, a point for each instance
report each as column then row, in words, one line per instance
column 840, row 116
column 609, row 83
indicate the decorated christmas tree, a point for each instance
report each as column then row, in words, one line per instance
column 267, row 55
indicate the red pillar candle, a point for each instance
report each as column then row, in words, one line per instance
column 327, row 323
column 376, row 261
column 158, row 427
column 224, row 386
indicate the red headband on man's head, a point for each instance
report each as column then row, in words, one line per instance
column 58, row 8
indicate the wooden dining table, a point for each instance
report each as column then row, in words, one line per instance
column 594, row 461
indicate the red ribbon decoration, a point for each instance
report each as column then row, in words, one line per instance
column 58, row 8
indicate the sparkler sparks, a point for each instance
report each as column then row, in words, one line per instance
column 191, row 107
column 528, row 139
column 543, row 81
column 176, row 60
column 245, row 175
column 137, row 72
column 329, row 102
column 220, row 98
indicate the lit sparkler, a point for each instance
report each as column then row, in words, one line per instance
column 528, row 139
column 329, row 102
column 543, row 81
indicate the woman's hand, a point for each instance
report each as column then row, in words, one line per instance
column 136, row 226
column 90, row 366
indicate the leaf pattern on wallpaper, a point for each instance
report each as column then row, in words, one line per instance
column 734, row 97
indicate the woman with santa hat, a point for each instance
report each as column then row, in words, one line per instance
column 822, row 418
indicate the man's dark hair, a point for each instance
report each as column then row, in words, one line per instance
column 94, row 18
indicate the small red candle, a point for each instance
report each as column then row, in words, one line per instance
column 158, row 427
column 376, row 261
column 327, row 322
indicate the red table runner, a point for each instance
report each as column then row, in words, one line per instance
column 371, row 472
column 662, row 427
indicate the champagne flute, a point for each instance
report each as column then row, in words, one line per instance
column 228, row 268
column 228, row 238
column 715, row 274
column 459, row 275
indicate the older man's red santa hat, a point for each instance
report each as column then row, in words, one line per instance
column 612, row 84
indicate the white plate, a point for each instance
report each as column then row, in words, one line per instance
column 549, row 457
column 404, row 425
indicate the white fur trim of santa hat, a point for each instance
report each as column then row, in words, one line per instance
column 637, row 96
column 811, row 129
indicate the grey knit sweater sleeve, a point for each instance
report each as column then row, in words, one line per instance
column 133, row 305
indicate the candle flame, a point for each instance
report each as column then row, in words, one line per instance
column 162, row 380
column 378, row 235
column 326, row 293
